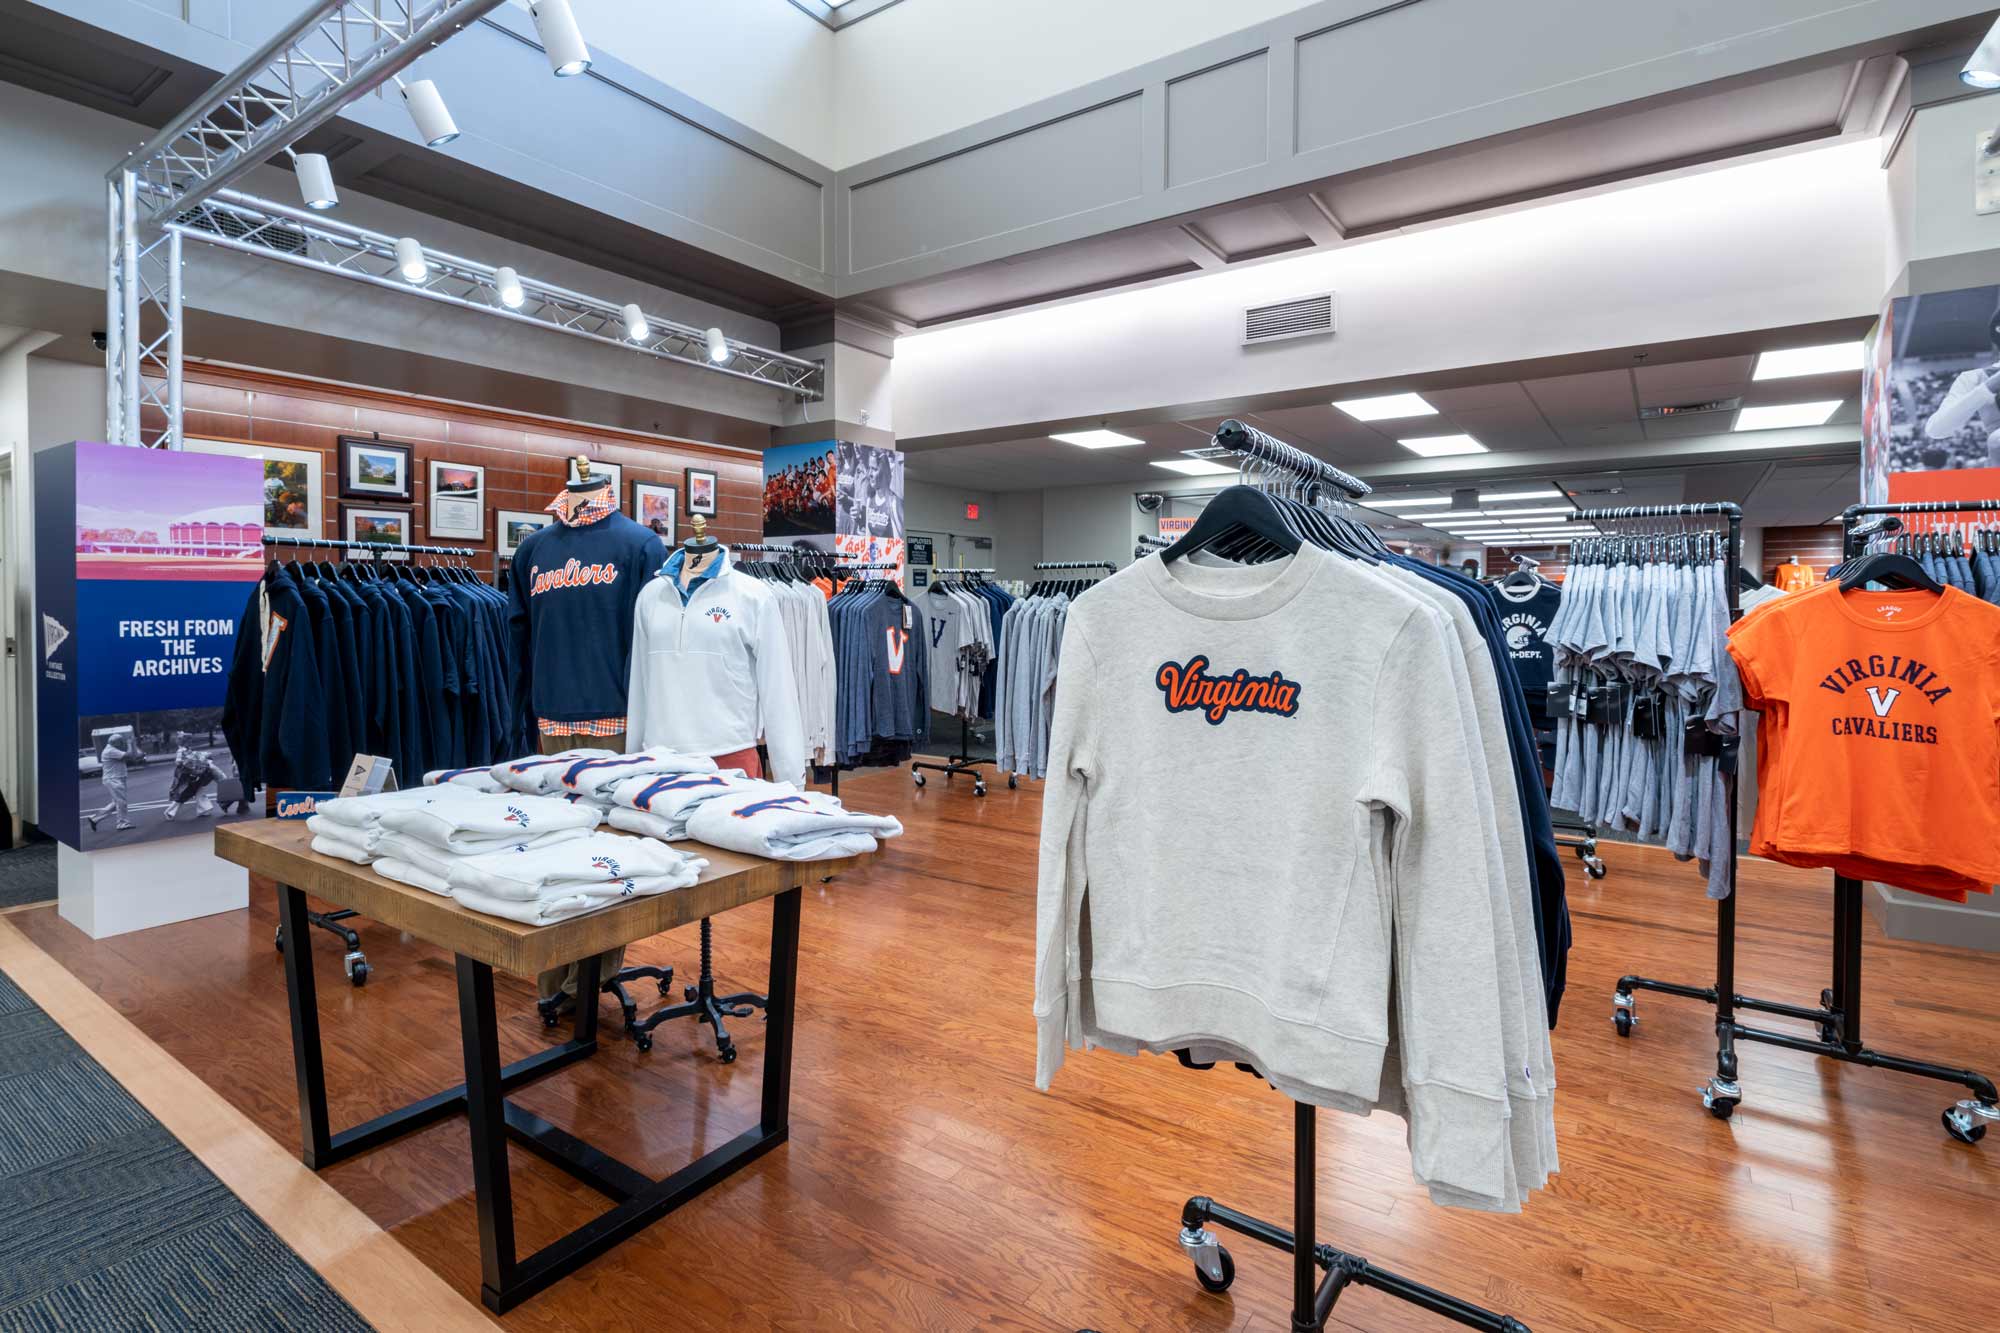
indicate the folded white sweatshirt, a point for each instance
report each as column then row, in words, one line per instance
column 788, row 824
column 591, row 862
column 437, row 861
column 405, row 873
column 342, row 848
column 473, row 824
column 364, row 811
column 667, row 799
column 478, row 779
column 360, row 838
column 594, row 778
column 645, row 825
column 540, row 774
column 572, row 900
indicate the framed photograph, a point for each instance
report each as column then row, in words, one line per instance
column 701, row 491
column 374, row 469
column 655, row 507
column 458, row 500
column 597, row 469
column 512, row 526
column 294, row 494
column 376, row 525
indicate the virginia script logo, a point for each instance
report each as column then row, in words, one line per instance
column 1190, row 688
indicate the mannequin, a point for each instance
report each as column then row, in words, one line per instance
column 572, row 591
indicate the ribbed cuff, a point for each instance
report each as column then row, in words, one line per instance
column 1458, row 1141
column 1049, row 1045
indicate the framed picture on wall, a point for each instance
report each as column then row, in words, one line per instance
column 377, row 525
column 458, row 500
column 512, row 526
column 655, row 507
column 597, row 469
column 294, row 494
column 374, row 469
column 701, row 491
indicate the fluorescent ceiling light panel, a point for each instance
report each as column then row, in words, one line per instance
column 1194, row 467
column 1098, row 439
column 1831, row 359
column 1522, row 513
column 1389, row 407
column 1443, row 446
column 1406, row 503
column 1786, row 414
column 1442, row 513
column 1501, row 497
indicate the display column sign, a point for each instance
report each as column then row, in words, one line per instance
column 145, row 561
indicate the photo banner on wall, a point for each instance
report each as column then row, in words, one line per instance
column 1930, row 399
column 869, row 492
column 799, row 489
column 144, row 562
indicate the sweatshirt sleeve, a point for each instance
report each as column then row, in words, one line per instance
column 1060, row 881
column 1452, row 1049
column 778, row 697
column 522, row 693
column 638, row 703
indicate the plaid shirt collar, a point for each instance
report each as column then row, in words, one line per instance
column 605, row 502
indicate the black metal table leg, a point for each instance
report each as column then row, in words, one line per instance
column 308, row 1057
column 486, row 1113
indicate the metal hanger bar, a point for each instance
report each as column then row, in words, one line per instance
column 343, row 544
column 1238, row 438
column 1722, row 508
column 871, row 564
column 1853, row 512
column 1076, row 564
column 943, row 572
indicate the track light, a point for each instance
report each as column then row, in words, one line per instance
column 315, row 180
column 508, row 284
column 562, row 40
column 1983, row 70
column 410, row 261
column 718, row 346
column 428, row 112
column 636, row 327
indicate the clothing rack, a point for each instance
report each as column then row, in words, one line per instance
column 1582, row 837
column 342, row 543
column 1077, row 564
column 964, row 762
column 1838, row 1016
column 1234, row 437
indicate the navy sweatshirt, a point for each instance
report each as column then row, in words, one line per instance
column 572, row 591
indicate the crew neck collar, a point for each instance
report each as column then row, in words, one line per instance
column 1932, row 606
column 1520, row 595
column 1234, row 592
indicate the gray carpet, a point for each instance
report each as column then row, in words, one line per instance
column 107, row 1222
column 28, row 875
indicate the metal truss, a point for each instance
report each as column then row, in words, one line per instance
column 251, row 226
column 142, row 350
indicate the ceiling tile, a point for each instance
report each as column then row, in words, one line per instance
column 1693, row 381
column 1595, row 398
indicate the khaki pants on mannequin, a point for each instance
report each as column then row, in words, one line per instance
column 562, row 980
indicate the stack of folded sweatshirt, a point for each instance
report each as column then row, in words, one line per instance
column 419, row 844
column 546, row 884
column 592, row 779
column 787, row 824
column 658, row 805
column 350, row 827
column 541, row 774
column 478, row 779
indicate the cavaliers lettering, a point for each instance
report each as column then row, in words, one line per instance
column 1190, row 688
column 1884, row 680
column 573, row 574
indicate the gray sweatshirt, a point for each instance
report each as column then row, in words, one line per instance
column 1256, row 813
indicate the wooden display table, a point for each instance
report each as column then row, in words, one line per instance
column 281, row 850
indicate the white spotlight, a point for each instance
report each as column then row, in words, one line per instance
column 410, row 260
column 508, row 284
column 315, row 181
column 636, row 327
column 562, row 40
column 718, row 346
column 428, row 112
column 1983, row 70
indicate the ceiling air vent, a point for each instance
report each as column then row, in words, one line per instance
column 1690, row 409
column 1302, row 318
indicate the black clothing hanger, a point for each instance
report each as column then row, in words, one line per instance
column 1237, row 513
column 1887, row 567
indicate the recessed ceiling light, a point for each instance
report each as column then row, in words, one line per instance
column 1405, row 502
column 1097, row 439
column 1518, row 513
column 1501, row 497
column 1786, row 414
column 1442, row 446
column 1443, row 513
column 1832, row 359
column 1389, row 407
column 1194, row 467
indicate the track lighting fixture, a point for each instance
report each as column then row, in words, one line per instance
column 636, row 327
column 410, row 261
column 562, row 40
column 1983, row 70
column 315, row 180
column 507, row 284
column 428, row 112
column 718, row 346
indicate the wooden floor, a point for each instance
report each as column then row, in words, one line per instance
column 927, row 1185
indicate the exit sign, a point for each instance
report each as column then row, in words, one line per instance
column 971, row 510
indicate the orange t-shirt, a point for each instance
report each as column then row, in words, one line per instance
column 1879, row 740
column 1795, row 578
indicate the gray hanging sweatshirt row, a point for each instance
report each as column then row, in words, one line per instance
column 1280, row 827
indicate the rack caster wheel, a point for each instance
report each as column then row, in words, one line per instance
column 727, row 1055
column 1011, row 783
column 1721, row 1098
column 1594, row 868
column 1219, row 1285
column 1623, row 1013
column 917, row 778
column 1213, row 1267
column 667, row 987
column 1964, row 1124
column 643, row 1040
column 1623, row 1022
column 357, row 968
column 978, row 789
column 278, row 939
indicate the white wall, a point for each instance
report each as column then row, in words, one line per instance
column 766, row 63
column 1931, row 184
column 1792, row 239
column 915, row 71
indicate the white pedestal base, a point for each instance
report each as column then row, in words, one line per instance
column 120, row 889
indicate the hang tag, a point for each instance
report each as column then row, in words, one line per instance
column 906, row 619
